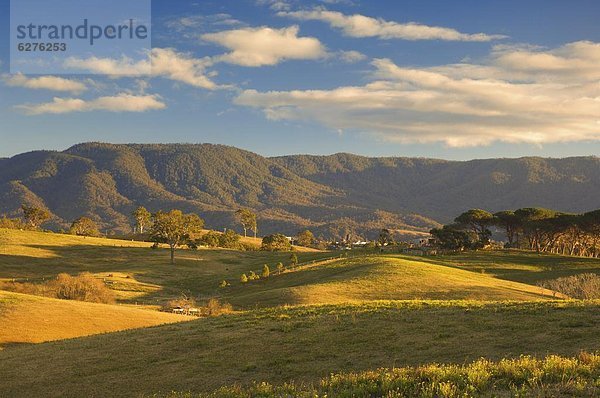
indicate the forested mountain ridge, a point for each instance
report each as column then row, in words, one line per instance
column 331, row 195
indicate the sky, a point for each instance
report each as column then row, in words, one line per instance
column 442, row 79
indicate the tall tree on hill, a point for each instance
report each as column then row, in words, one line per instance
column 276, row 243
column 34, row 217
column 478, row 221
column 142, row 219
column 510, row 223
column 174, row 228
column 248, row 220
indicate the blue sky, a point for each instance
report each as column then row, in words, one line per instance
column 444, row 79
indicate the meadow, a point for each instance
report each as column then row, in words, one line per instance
column 348, row 315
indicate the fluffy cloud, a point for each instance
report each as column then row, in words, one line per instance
column 518, row 95
column 362, row 26
column 119, row 103
column 162, row 62
column 265, row 46
column 52, row 83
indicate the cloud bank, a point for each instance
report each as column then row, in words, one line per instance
column 518, row 95
column 362, row 26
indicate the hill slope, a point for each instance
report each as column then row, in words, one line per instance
column 301, row 344
column 332, row 195
column 31, row 319
column 376, row 278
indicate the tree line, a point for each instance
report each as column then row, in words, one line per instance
column 173, row 228
column 532, row 228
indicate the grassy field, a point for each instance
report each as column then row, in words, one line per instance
column 376, row 278
column 302, row 344
column 552, row 376
column 353, row 314
column 32, row 319
column 519, row 265
column 138, row 273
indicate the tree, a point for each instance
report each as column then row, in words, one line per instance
column 248, row 220
column 34, row 217
column 293, row 260
column 174, row 228
column 385, row 237
column 266, row 271
column 210, row 239
column 84, row 226
column 142, row 219
column 510, row 223
column 478, row 221
column 276, row 243
column 229, row 239
column 305, row 238
column 243, row 278
column 451, row 237
column 280, row 268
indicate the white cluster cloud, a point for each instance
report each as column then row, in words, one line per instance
column 51, row 83
column 265, row 46
column 119, row 103
column 362, row 26
column 518, row 95
column 162, row 62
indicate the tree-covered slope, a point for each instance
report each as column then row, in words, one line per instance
column 331, row 195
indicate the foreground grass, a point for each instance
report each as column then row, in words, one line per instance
column 300, row 344
column 552, row 376
column 31, row 319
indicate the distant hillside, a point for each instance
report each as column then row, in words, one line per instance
column 331, row 195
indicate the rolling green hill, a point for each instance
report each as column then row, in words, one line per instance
column 332, row 195
column 142, row 275
column 302, row 344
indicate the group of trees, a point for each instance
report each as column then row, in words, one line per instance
column 542, row 230
column 266, row 271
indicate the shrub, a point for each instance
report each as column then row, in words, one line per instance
column 223, row 284
column 583, row 286
column 280, row 268
column 215, row 307
column 83, row 287
column 253, row 276
column 293, row 260
column 210, row 239
column 266, row 271
column 276, row 242
column 243, row 278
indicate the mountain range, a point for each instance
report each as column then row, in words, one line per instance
column 332, row 195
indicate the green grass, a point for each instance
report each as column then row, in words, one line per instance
column 522, row 377
column 376, row 278
column 302, row 344
column 142, row 275
column 152, row 280
column 519, row 265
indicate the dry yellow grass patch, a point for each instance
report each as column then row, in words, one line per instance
column 32, row 319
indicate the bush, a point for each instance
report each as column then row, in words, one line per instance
column 280, row 268
column 252, row 276
column 583, row 286
column 266, row 271
column 84, row 287
column 276, row 243
column 215, row 307
column 223, row 284
column 243, row 278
